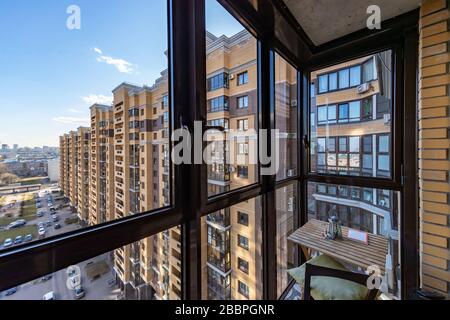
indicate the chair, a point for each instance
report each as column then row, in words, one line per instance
column 316, row 271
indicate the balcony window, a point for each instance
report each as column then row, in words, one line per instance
column 219, row 104
column 218, row 82
column 344, row 80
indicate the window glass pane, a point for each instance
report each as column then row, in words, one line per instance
column 149, row 269
column 384, row 144
column 373, row 211
column 234, row 51
column 322, row 115
column 343, row 144
column 333, row 81
column 343, row 112
column 355, row 110
column 83, row 161
column 323, row 83
column 355, row 76
column 286, row 117
column 383, row 163
column 354, row 144
column 286, row 209
column 344, row 79
column 232, row 252
column 332, row 114
column 369, row 70
column 358, row 119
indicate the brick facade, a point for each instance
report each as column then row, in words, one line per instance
column 434, row 144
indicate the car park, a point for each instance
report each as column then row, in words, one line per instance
column 7, row 243
column 18, row 240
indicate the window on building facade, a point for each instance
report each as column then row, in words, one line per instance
column 242, row 78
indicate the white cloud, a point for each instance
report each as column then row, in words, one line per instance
column 97, row 98
column 121, row 65
column 73, row 110
column 72, row 120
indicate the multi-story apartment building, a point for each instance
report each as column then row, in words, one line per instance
column 101, row 166
column 82, row 154
column 64, row 165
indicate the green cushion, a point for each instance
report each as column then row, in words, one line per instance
column 328, row 288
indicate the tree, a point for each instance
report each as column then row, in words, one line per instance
column 8, row 178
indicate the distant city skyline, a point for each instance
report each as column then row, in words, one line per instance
column 52, row 75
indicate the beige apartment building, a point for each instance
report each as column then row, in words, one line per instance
column 128, row 173
column 101, row 166
column 82, row 167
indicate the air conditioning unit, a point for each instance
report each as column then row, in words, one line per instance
column 363, row 88
column 293, row 103
column 231, row 76
column 387, row 118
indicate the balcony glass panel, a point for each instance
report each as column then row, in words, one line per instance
column 223, row 257
column 69, row 168
column 226, row 105
column 358, row 115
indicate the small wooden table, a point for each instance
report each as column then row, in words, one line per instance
column 311, row 237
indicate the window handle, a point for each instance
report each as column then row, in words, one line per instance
column 306, row 141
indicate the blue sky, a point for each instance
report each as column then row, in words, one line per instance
column 50, row 75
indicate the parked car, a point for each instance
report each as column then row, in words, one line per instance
column 40, row 214
column 41, row 225
column 57, row 226
column 46, row 278
column 55, row 218
column 48, row 223
column 7, row 243
column 17, row 224
column 18, row 240
column 78, row 293
column 10, row 292
column 52, row 210
column 41, row 232
column 28, row 238
column 39, row 205
column 49, row 296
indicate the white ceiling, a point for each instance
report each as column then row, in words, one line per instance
column 326, row 20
